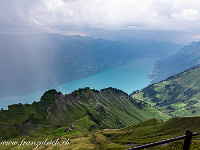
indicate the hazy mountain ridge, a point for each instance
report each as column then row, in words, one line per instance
column 177, row 95
column 185, row 58
column 42, row 61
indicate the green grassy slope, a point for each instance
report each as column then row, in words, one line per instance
column 82, row 137
column 178, row 95
column 86, row 135
column 154, row 130
column 107, row 108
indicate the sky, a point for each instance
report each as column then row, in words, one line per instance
column 175, row 20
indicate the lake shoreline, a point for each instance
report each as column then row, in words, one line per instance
column 128, row 77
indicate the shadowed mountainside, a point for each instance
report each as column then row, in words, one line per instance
column 30, row 63
column 186, row 58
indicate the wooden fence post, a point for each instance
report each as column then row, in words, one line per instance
column 186, row 146
column 187, row 140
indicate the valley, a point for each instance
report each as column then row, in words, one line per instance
column 99, row 74
column 127, row 77
column 107, row 118
column 178, row 95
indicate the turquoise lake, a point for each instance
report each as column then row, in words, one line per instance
column 128, row 77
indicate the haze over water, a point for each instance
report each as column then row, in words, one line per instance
column 128, row 77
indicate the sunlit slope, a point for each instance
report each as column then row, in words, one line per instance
column 108, row 108
column 154, row 130
column 87, row 136
column 178, row 95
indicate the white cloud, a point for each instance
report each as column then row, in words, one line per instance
column 79, row 15
column 186, row 15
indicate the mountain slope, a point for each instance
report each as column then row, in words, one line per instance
column 185, row 58
column 108, row 108
column 137, row 134
column 30, row 63
column 154, row 130
column 178, row 95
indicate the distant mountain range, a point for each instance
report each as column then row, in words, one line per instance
column 178, row 95
column 29, row 63
column 185, row 58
